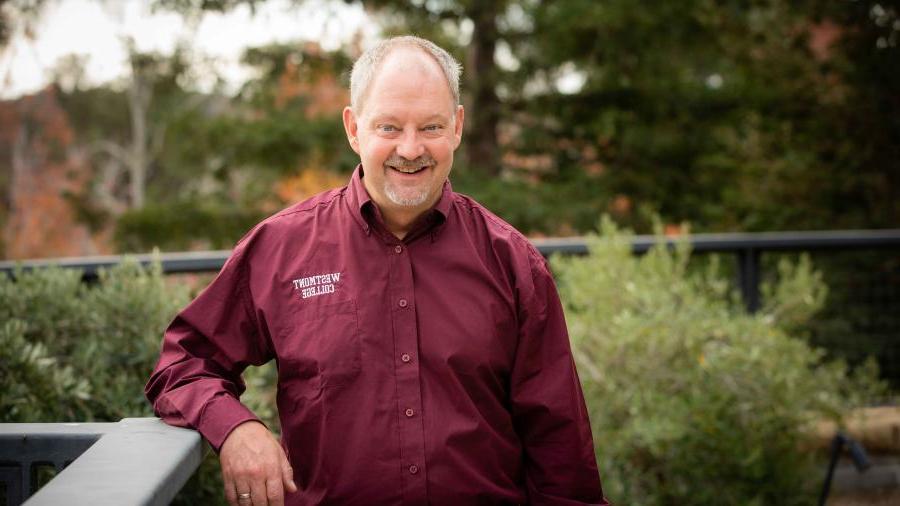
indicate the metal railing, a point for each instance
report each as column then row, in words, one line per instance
column 747, row 248
column 137, row 461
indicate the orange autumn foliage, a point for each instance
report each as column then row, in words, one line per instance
column 306, row 183
column 326, row 95
column 43, row 166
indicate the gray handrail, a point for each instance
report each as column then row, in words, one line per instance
column 137, row 461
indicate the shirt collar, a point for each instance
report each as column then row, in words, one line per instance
column 364, row 209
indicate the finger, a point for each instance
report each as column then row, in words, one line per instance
column 258, row 492
column 242, row 487
column 275, row 492
column 287, row 475
column 230, row 492
column 245, row 499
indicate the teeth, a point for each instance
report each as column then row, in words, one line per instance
column 411, row 170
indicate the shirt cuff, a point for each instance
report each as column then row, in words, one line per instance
column 220, row 416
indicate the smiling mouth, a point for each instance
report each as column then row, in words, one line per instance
column 409, row 170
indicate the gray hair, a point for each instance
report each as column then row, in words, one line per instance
column 365, row 67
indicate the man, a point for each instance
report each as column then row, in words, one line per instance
column 421, row 347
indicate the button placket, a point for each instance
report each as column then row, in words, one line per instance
column 409, row 395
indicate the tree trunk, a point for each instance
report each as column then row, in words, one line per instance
column 138, row 104
column 483, row 113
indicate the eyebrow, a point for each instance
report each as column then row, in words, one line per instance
column 394, row 119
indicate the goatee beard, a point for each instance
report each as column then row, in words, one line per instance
column 411, row 201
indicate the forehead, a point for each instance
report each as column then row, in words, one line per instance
column 408, row 80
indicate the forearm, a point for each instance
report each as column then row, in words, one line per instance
column 206, row 405
column 197, row 381
column 560, row 465
column 548, row 405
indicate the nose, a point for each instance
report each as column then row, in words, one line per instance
column 409, row 145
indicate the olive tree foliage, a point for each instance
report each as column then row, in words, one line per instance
column 693, row 400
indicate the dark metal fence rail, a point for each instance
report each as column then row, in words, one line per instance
column 747, row 248
column 139, row 461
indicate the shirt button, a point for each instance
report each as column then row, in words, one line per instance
column 413, row 469
column 398, row 249
column 405, row 357
column 403, row 303
column 409, row 412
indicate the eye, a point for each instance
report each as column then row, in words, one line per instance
column 386, row 128
column 432, row 128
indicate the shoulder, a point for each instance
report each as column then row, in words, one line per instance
column 296, row 218
column 327, row 204
column 503, row 237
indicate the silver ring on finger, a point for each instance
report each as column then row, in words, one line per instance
column 244, row 497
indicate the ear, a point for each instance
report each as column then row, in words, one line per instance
column 459, row 119
column 351, row 127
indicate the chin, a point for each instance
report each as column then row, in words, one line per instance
column 406, row 199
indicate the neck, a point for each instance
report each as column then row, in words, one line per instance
column 399, row 220
column 400, row 224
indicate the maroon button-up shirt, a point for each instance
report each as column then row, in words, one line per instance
column 432, row 370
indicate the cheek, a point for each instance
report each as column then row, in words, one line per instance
column 378, row 152
column 442, row 150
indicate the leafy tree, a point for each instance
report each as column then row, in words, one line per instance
column 721, row 113
column 208, row 161
column 276, row 126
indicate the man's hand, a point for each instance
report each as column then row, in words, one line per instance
column 254, row 463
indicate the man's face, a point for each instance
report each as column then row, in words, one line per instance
column 405, row 132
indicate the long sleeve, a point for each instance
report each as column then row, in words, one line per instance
column 197, row 381
column 547, row 402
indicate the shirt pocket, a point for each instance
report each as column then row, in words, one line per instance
column 320, row 345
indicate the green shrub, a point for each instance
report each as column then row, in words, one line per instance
column 106, row 333
column 184, row 225
column 35, row 386
column 693, row 400
column 75, row 352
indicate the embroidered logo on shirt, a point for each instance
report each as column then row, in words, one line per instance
column 315, row 285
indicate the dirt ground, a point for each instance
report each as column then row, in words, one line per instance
column 884, row 498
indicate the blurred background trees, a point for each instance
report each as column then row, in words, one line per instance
column 734, row 115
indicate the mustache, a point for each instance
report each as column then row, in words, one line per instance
column 400, row 162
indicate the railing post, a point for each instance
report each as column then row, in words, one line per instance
column 748, row 277
column 12, row 478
